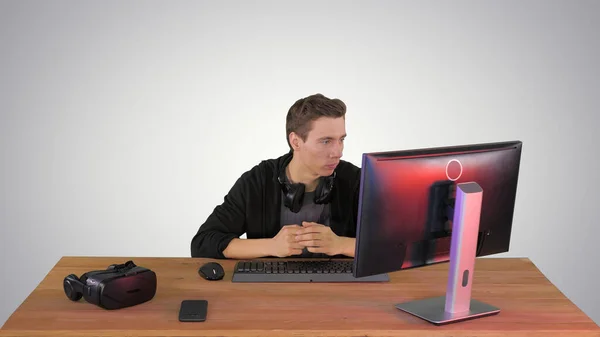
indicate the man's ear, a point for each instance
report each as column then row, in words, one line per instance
column 295, row 141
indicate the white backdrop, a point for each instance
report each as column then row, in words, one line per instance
column 122, row 125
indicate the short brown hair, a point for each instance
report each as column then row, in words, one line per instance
column 308, row 109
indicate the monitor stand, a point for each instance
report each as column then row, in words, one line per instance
column 457, row 305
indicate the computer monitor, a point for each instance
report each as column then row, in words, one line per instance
column 427, row 206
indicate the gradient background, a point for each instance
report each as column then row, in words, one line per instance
column 106, row 146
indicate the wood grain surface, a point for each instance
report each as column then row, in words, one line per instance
column 530, row 305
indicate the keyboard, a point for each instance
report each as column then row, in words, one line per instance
column 299, row 271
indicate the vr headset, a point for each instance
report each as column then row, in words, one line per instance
column 119, row 286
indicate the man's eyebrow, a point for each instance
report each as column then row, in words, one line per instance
column 329, row 137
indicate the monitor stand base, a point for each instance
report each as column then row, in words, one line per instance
column 433, row 310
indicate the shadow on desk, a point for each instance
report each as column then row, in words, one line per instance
column 530, row 305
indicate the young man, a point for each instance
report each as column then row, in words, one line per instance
column 301, row 204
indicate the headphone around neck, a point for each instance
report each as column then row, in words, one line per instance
column 293, row 193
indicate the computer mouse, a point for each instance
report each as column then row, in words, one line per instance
column 211, row 271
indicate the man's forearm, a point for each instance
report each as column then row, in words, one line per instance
column 247, row 248
column 348, row 246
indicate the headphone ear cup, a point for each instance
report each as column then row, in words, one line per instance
column 293, row 194
column 73, row 287
column 324, row 189
column 293, row 197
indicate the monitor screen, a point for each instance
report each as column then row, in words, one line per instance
column 407, row 197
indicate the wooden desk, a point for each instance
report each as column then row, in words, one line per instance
column 530, row 305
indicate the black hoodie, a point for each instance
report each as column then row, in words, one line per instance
column 253, row 206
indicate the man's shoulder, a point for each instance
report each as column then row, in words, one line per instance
column 346, row 169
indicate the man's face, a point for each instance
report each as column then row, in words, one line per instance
column 322, row 150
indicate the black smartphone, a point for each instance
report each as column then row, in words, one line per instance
column 193, row 311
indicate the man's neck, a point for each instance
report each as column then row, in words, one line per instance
column 298, row 173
